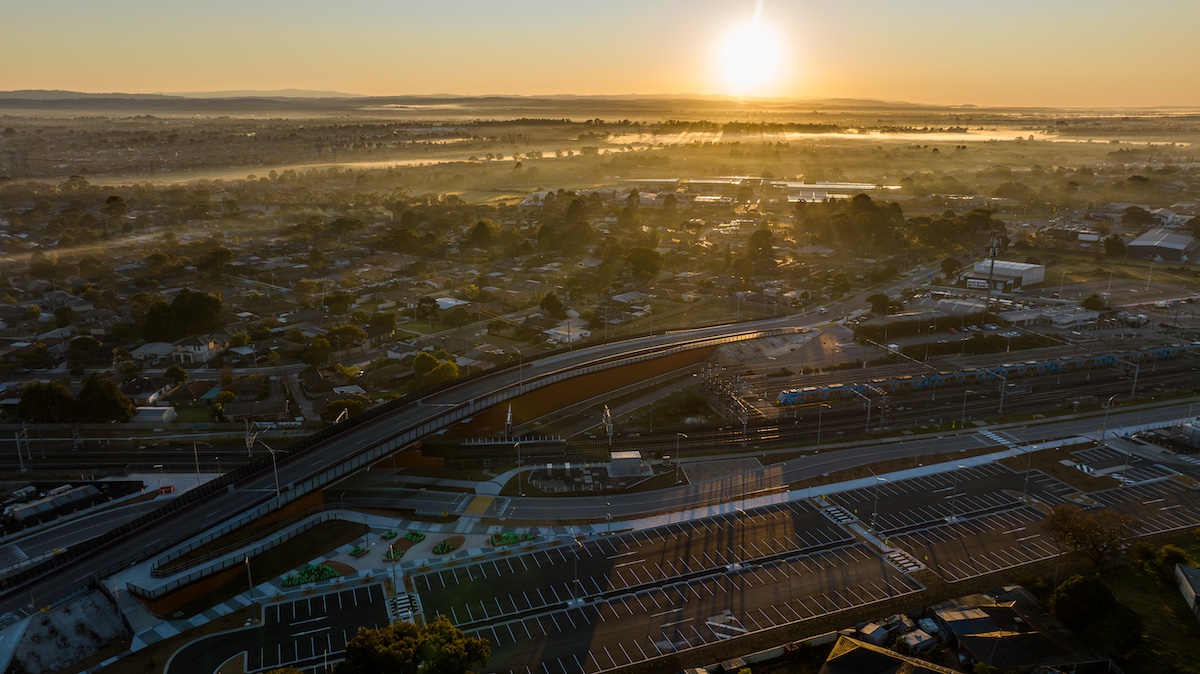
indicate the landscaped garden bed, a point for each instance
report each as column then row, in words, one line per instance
column 358, row 551
column 414, row 536
column 509, row 539
column 313, row 573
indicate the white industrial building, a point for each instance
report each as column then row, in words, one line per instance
column 1007, row 275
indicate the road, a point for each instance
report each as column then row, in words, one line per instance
column 295, row 468
column 372, row 490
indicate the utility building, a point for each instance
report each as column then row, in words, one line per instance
column 1161, row 245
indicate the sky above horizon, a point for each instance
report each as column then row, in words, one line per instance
column 1059, row 53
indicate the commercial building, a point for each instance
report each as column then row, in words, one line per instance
column 1006, row 275
column 1161, row 245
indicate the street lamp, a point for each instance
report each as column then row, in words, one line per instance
column 954, row 497
column 875, row 510
column 576, row 599
column 274, row 465
column 520, row 490
column 677, row 457
column 963, row 423
column 1107, row 408
column 1028, row 470
column 820, row 410
column 161, row 478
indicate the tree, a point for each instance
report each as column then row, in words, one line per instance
column 100, row 401
column 447, row 370
column 760, row 248
column 176, row 373
column 190, row 313
column 424, row 363
column 1136, row 216
column 405, row 648
column 46, row 403
column 1093, row 302
column 1099, row 536
column 1117, row 632
column 879, row 303
column 644, row 262
column 1081, row 599
column 551, row 304
column 840, row 284
column 215, row 261
column 63, row 316
column 483, row 234
column 1114, row 246
column 383, row 322
column 950, row 267
column 352, row 406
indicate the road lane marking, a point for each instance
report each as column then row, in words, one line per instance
column 677, row 622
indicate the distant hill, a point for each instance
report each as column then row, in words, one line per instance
column 59, row 95
column 253, row 93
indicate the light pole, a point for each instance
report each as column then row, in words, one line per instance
column 963, row 423
column 875, row 510
column 954, row 497
column 274, row 465
column 677, row 457
column 820, row 410
column 1104, row 427
column 1062, row 282
column 520, row 490
column 1028, row 470
column 574, row 598
column 161, row 478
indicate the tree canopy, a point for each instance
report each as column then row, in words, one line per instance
column 1099, row 536
column 404, row 648
column 190, row 313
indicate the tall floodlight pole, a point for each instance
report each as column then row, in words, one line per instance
column 820, row 410
column 954, row 497
column 1104, row 426
column 677, row 456
column 520, row 490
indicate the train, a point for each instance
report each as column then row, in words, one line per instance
column 1004, row 372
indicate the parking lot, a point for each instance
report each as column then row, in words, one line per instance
column 617, row 631
column 518, row 583
column 930, row 500
column 1129, row 468
column 303, row 633
column 1164, row 505
column 972, row 547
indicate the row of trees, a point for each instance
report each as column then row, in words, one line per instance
column 99, row 401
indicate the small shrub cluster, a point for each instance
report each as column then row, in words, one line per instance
column 358, row 551
column 443, row 548
column 312, row 573
column 414, row 536
column 510, row 538
column 393, row 554
column 388, row 535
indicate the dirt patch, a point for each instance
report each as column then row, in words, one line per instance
column 239, row 537
column 344, row 569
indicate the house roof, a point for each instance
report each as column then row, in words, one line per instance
column 1192, row 575
column 851, row 656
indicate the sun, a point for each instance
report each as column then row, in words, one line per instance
column 749, row 59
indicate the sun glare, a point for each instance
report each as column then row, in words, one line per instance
column 749, row 59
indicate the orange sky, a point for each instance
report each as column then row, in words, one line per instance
column 1068, row 53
